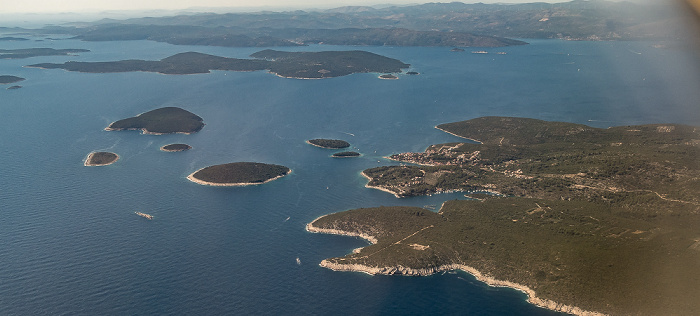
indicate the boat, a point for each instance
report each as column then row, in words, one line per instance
column 298, row 260
column 144, row 215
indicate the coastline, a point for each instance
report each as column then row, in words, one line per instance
column 474, row 140
column 378, row 188
column 162, row 148
column 406, row 271
column 89, row 157
column 235, row 184
column 144, row 131
column 324, row 147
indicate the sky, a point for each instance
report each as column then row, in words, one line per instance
column 57, row 6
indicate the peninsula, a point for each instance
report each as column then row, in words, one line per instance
column 238, row 174
column 300, row 65
column 590, row 220
column 176, row 147
column 5, row 79
column 328, row 143
column 100, row 158
column 161, row 121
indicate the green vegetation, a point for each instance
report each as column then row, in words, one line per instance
column 346, row 154
column 329, row 143
column 327, row 64
column 35, row 52
column 10, row 79
column 176, row 147
column 590, row 255
column 239, row 173
column 183, row 63
column 161, row 121
column 101, row 158
column 388, row 76
column 602, row 219
column 286, row 64
column 635, row 166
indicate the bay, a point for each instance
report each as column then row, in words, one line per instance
column 70, row 242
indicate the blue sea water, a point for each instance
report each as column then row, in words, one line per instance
column 70, row 243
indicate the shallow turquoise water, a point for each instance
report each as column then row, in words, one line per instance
column 70, row 242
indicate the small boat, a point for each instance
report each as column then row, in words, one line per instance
column 298, row 261
column 144, row 215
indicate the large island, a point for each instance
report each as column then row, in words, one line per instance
column 301, row 65
column 161, row 121
column 238, row 174
column 600, row 220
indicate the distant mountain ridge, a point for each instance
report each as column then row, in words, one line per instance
column 433, row 24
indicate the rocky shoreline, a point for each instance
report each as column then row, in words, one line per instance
column 406, row 271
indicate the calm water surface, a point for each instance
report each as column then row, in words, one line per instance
column 70, row 242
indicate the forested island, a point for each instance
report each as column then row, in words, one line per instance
column 175, row 147
column 35, row 52
column 238, row 174
column 5, row 79
column 302, row 65
column 579, row 218
column 329, row 143
column 101, row 158
column 346, row 154
column 161, row 121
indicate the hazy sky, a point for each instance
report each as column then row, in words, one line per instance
column 42, row 6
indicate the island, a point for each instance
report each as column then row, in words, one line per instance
column 12, row 38
column 100, row 158
column 263, row 36
column 36, row 52
column 238, row 174
column 160, row 121
column 583, row 220
column 388, row 76
column 5, row 79
column 176, row 147
column 299, row 65
column 346, row 154
column 328, row 143
column 14, row 87
column 412, row 73
column 457, row 49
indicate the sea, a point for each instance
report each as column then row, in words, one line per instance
column 71, row 243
